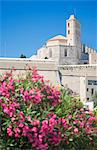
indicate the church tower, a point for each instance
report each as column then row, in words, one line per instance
column 73, row 32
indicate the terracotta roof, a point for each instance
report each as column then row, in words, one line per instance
column 58, row 38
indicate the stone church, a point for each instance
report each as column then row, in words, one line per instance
column 66, row 50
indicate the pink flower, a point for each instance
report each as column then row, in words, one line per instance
column 21, row 125
column 35, row 123
column 6, row 110
column 34, row 129
column 12, row 119
column 82, row 124
column 64, row 122
column 17, row 135
column 21, row 90
column 92, row 119
column 25, row 130
column 40, row 138
column 70, row 116
column 37, row 97
column 21, row 114
column 9, row 131
column 45, row 126
column 76, row 130
column 16, row 130
column 29, row 118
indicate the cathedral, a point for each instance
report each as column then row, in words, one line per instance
column 63, row 61
column 66, row 50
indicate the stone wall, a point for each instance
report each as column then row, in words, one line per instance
column 47, row 68
column 71, row 76
column 79, row 70
column 72, row 82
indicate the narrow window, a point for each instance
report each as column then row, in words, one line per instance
column 92, row 91
column 68, row 31
column 50, row 52
column 68, row 25
column 60, row 76
column 65, row 52
column 87, row 89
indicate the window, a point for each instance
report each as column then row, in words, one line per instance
column 92, row 91
column 87, row 99
column 87, row 89
column 92, row 82
column 65, row 52
column 83, row 48
column 68, row 25
column 60, row 76
column 95, row 82
column 68, row 31
column 89, row 82
column 50, row 52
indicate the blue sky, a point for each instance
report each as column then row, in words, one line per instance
column 27, row 24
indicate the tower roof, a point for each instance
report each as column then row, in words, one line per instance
column 72, row 17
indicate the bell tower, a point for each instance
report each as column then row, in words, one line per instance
column 73, row 32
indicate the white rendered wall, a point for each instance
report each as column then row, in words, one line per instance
column 72, row 82
column 93, row 58
column 46, row 68
column 83, row 88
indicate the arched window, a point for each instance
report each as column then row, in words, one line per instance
column 65, row 52
column 50, row 52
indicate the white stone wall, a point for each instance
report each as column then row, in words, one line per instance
column 72, row 56
column 93, row 58
column 74, row 77
column 47, row 50
column 42, row 52
column 79, row 70
column 82, row 89
column 57, row 53
column 72, row 82
column 47, row 68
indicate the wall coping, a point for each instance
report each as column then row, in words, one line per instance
column 27, row 59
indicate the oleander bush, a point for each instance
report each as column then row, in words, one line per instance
column 37, row 116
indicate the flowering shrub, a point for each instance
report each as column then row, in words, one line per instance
column 34, row 115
